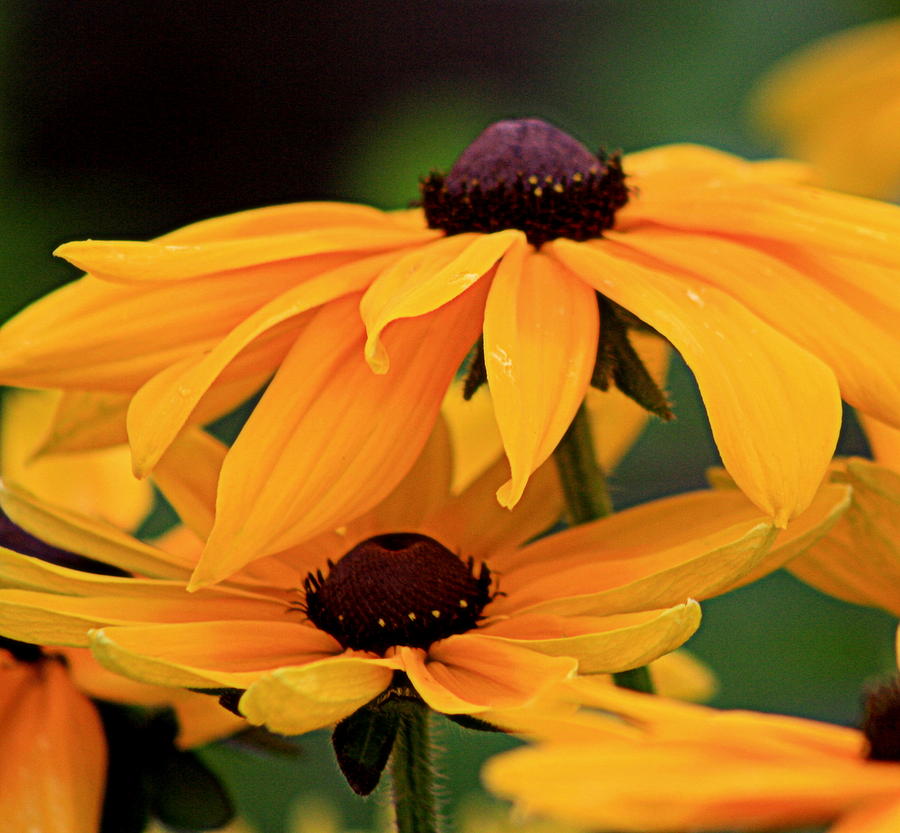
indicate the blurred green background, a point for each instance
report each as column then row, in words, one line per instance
column 124, row 120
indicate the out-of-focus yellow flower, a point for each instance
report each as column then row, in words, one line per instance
column 836, row 105
column 776, row 294
column 410, row 587
column 671, row 767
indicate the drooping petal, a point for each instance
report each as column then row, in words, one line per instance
column 859, row 560
column 296, row 700
column 470, row 673
column 329, row 438
column 602, row 644
column 774, row 408
column 188, row 474
column 135, row 262
column 232, row 653
column 76, row 533
column 52, row 752
column 162, row 406
column 425, row 280
column 793, row 303
column 126, row 334
column 540, row 337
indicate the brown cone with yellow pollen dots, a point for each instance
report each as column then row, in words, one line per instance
column 779, row 296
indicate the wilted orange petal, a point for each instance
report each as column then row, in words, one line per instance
column 296, row 700
column 425, row 280
column 233, row 653
column 52, row 753
column 774, row 408
column 329, row 438
column 471, row 673
column 540, row 337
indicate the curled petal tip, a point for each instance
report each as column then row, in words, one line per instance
column 509, row 494
column 377, row 356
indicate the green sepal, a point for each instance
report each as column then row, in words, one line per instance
column 363, row 742
column 617, row 362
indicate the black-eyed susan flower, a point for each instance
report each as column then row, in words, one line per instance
column 836, row 105
column 654, row 765
column 778, row 296
column 434, row 589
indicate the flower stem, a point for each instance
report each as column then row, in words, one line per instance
column 587, row 499
column 414, row 801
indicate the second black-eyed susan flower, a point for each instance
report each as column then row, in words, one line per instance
column 436, row 587
column 777, row 295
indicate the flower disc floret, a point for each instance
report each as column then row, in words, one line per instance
column 529, row 175
column 397, row 589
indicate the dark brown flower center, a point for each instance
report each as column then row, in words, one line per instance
column 881, row 722
column 397, row 589
column 529, row 175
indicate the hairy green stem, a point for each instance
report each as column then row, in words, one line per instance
column 582, row 478
column 413, row 777
column 587, row 499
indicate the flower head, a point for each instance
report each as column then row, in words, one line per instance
column 779, row 296
column 430, row 592
column 836, row 105
column 673, row 767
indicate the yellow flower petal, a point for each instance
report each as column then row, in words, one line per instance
column 188, row 474
column 95, row 539
column 231, row 654
column 96, row 483
column 602, row 644
column 774, row 408
column 126, row 334
column 540, row 336
column 283, row 219
column 296, row 700
column 793, row 303
column 596, row 573
column 162, row 406
column 474, row 522
column 425, row 280
column 473, row 429
column 471, row 673
column 859, row 560
column 135, row 262
column 283, row 481
column 604, row 786
column 52, row 752
column 85, row 421
column 872, row 817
